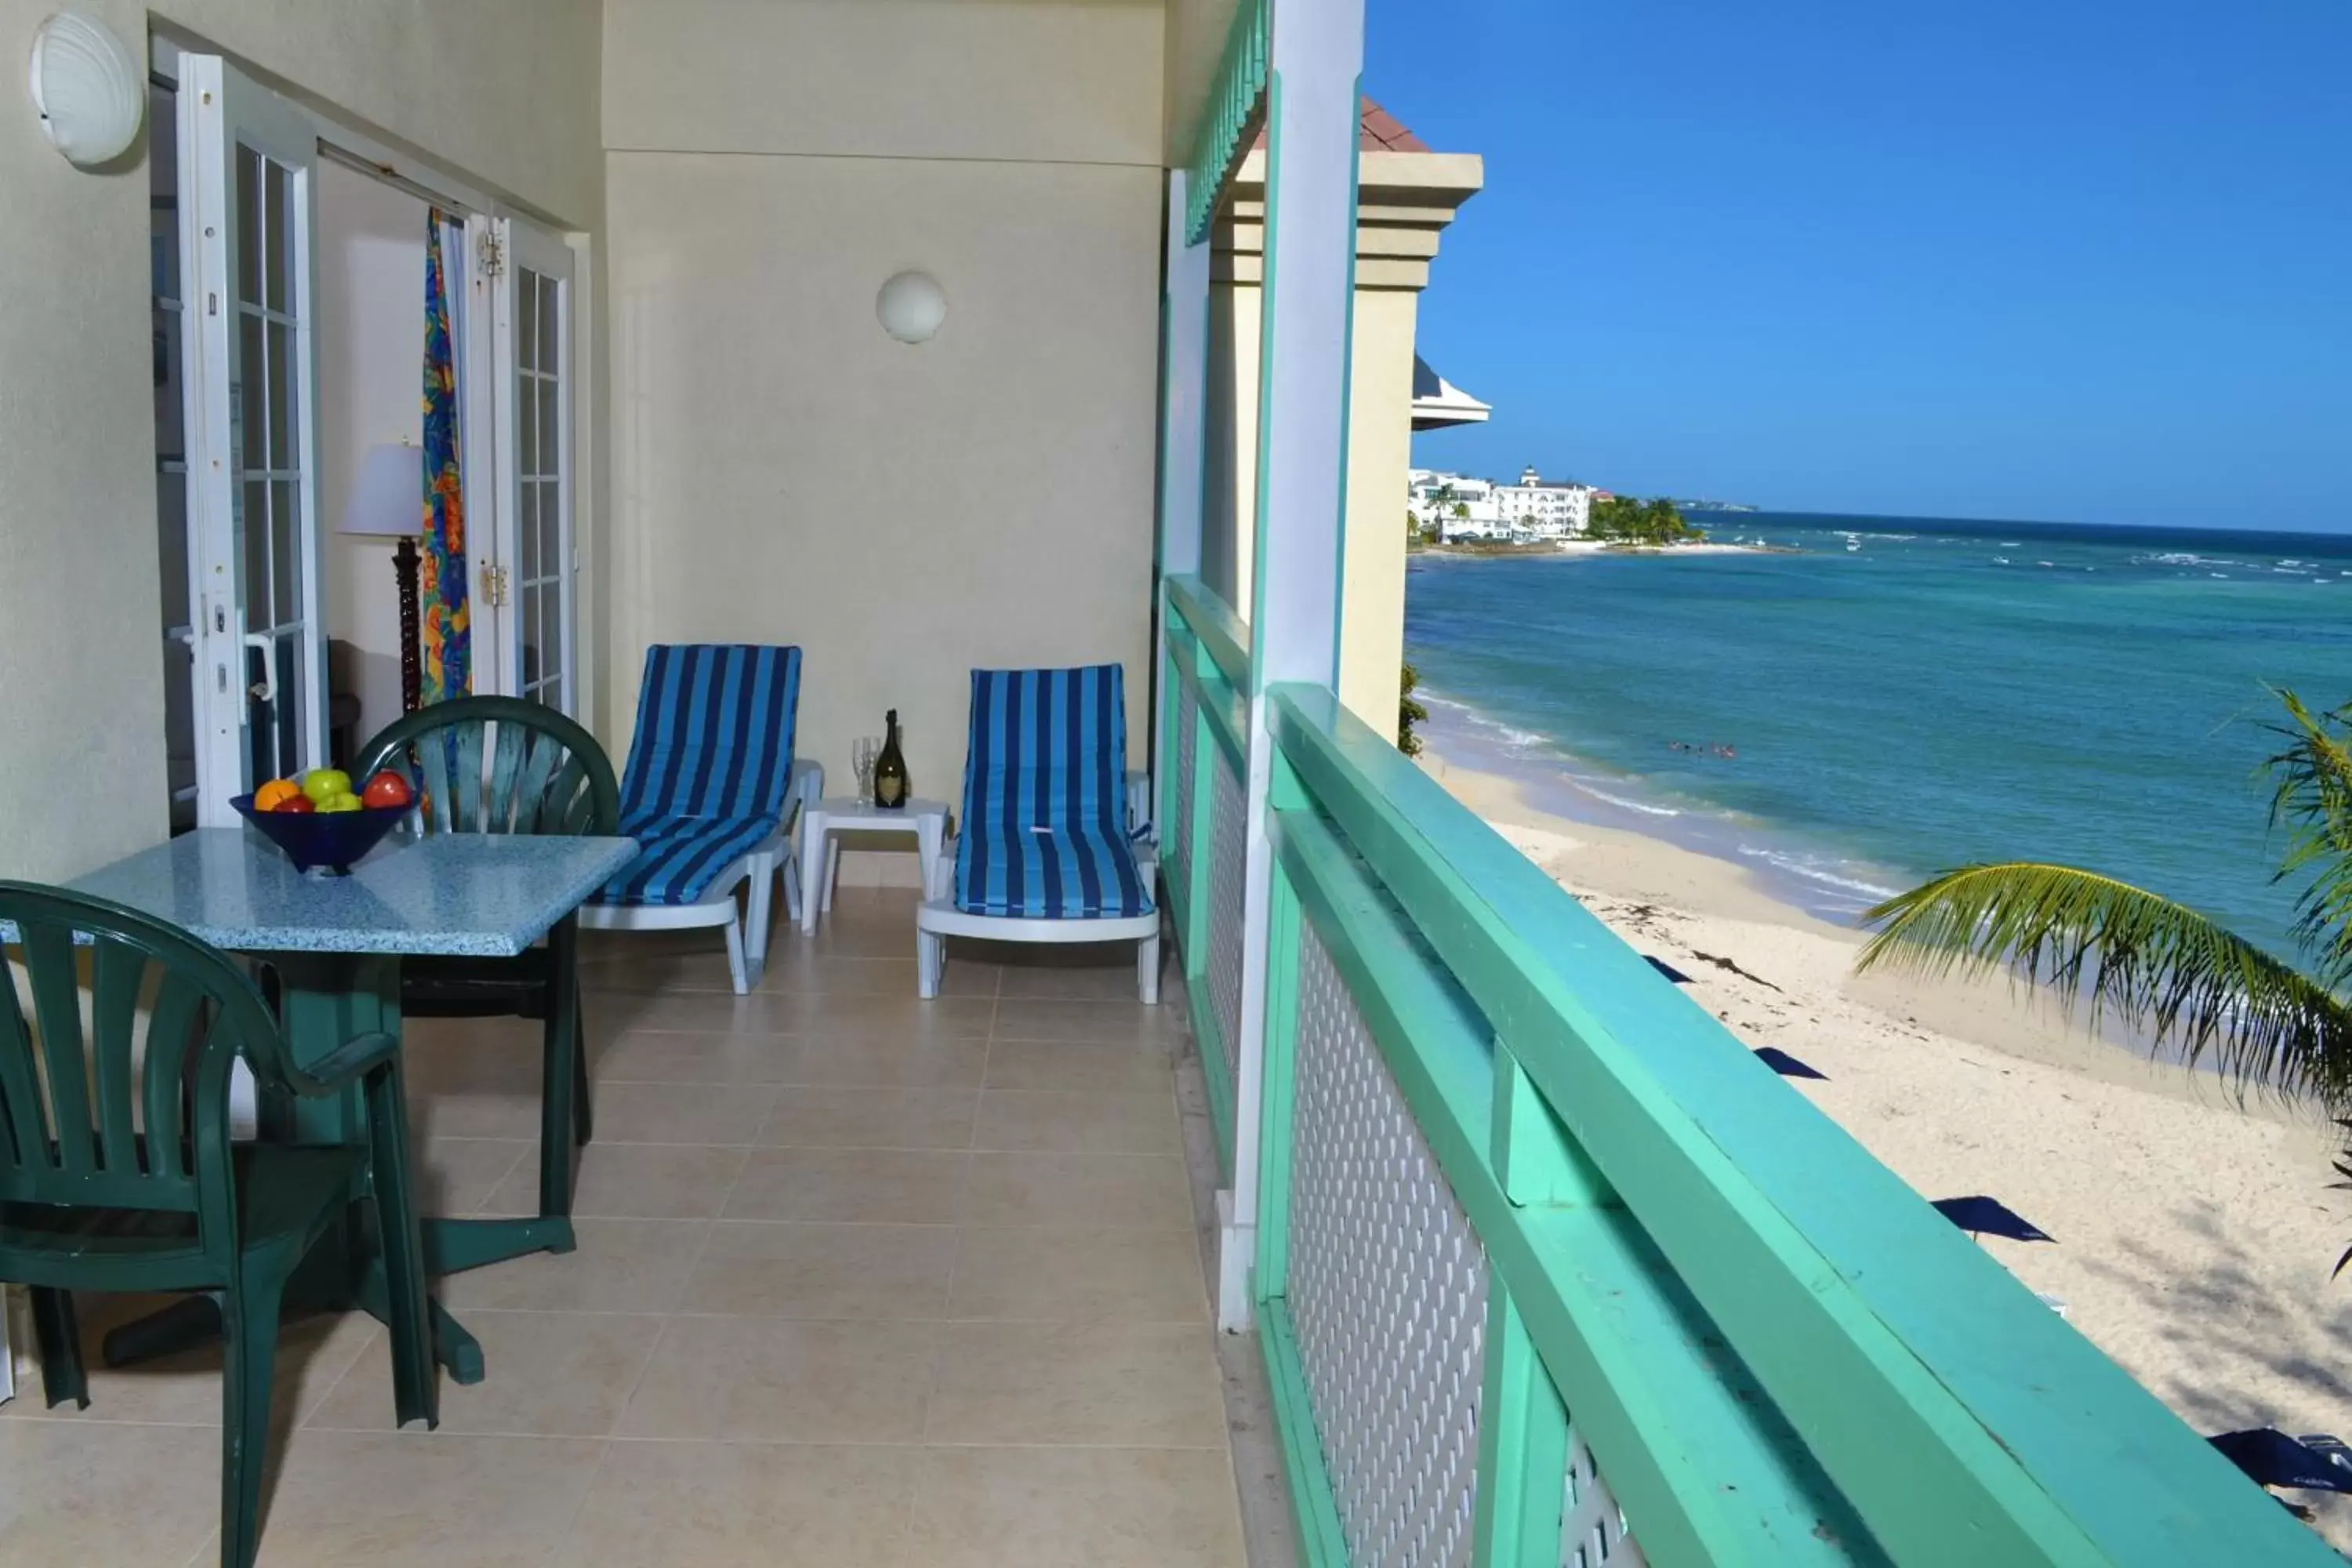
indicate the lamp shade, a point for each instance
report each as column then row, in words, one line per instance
column 911, row 307
column 89, row 87
column 388, row 497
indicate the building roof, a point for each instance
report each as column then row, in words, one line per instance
column 1377, row 131
column 1437, row 402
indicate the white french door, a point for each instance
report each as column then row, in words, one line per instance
column 525, row 609
column 248, row 168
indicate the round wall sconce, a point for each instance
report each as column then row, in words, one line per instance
column 88, row 89
column 911, row 305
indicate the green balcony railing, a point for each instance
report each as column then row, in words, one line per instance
column 1550, row 1269
column 1207, row 722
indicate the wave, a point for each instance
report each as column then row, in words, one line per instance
column 2183, row 558
column 1510, row 734
column 1646, row 807
column 1813, row 872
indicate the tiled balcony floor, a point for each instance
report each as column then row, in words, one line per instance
column 861, row 1279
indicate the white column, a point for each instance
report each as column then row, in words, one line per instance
column 1303, row 345
column 1183, row 402
column 1183, row 390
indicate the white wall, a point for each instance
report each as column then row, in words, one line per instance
column 370, row 358
column 507, row 92
column 884, row 79
column 783, row 471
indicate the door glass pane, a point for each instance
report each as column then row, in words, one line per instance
column 526, row 426
column 551, row 515
column 293, row 682
column 551, row 431
column 260, row 733
column 172, row 546
column 252, row 446
column 171, row 439
column 285, row 554
column 527, row 530
column 163, row 189
column 276, row 179
column 550, row 321
column 526, row 323
column 252, row 536
column 248, row 225
column 281, row 395
column 533, row 661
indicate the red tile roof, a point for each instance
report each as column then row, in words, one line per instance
column 1377, row 131
column 1380, row 132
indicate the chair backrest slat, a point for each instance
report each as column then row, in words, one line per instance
column 160, row 1137
column 57, row 1015
column 435, row 802
column 116, row 974
column 536, row 810
column 545, row 774
column 1048, row 749
column 172, row 1022
column 20, row 1084
column 715, row 732
column 467, row 815
column 511, row 812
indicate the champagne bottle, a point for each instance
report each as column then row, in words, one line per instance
column 890, row 768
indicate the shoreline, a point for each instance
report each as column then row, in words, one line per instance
column 2194, row 1235
column 1586, row 548
column 1816, row 879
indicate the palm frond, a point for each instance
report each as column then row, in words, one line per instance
column 2311, row 799
column 2157, row 965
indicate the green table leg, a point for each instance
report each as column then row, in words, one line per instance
column 326, row 999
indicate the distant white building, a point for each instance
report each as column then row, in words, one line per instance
column 1545, row 509
column 1458, row 506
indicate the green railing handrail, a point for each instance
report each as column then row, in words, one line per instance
column 1961, row 1419
column 1221, row 631
column 1697, row 1455
column 1201, row 634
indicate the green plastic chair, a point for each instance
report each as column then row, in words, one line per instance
column 505, row 764
column 116, row 1172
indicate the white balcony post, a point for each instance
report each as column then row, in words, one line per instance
column 1316, row 60
column 1183, row 402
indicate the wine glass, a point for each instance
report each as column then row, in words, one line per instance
column 863, row 754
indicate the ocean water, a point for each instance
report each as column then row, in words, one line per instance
column 1901, row 696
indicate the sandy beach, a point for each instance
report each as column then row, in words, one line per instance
column 2193, row 1236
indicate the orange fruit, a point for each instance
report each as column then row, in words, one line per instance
column 269, row 797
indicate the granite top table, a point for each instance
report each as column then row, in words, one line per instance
column 453, row 894
column 334, row 945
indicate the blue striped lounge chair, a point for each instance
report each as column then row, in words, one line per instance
column 1043, row 848
column 712, row 795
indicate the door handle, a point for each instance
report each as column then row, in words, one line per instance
column 266, row 688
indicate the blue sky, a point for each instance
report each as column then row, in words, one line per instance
column 2071, row 259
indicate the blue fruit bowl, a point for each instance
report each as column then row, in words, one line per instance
column 332, row 841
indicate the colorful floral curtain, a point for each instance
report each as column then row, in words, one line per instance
column 445, row 630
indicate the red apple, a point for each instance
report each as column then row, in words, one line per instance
column 387, row 788
column 295, row 805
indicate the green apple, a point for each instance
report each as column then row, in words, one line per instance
column 346, row 801
column 322, row 785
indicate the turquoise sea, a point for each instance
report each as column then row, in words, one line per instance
column 1903, row 695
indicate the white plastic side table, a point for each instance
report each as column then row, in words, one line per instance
column 820, row 857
